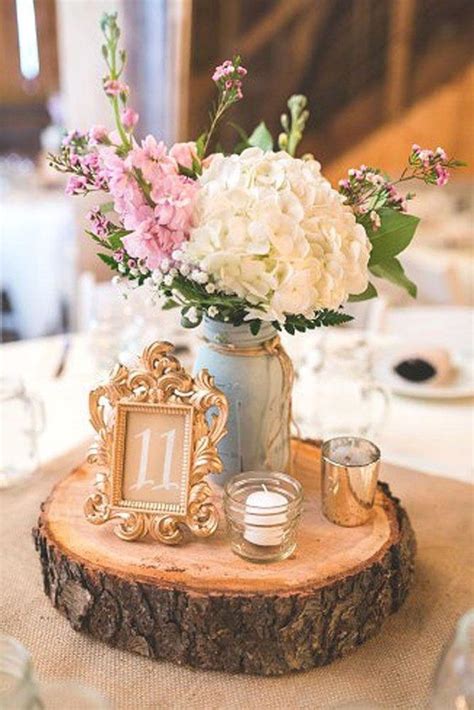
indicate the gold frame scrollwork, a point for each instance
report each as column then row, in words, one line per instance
column 157, row 378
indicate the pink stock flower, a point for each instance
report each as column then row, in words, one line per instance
column 157, row 232
column 117, row 171
column 114, row 87
column 174, row 196
column 152, row 159
column 152, row 243
column 134, row 212
column 184, row 153
column 129, row 118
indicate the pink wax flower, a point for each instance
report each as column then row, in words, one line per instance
column 75, row 160
column 228, row 76
column 98, row 134
column 223, row 70
column 442, row 175
column 72, row 137
column 90, row 161
column 76, row 185
column 184, row 153
column 98, row 221
column 114, row 87
column 129, row 118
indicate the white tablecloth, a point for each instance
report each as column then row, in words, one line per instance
column 431, row 436
column 36, row 257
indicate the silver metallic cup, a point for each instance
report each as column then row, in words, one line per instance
column 349, row 472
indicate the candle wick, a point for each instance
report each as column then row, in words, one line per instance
column 264, row 488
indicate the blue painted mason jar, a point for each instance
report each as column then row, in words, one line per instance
column 256, row 375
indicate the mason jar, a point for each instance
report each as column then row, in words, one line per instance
column 22, row 420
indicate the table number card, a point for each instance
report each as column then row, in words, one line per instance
column 155, row 444
column 151, row 457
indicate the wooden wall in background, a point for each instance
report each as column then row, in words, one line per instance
column 365, row 66
column 23, row 110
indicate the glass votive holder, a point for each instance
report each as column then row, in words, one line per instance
column 69, row 695
column 17, row 684
column 262, row 509
column 349, row 473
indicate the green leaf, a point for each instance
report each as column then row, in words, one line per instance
column 200, row 144
column 188, row 172
column 97, row 239
column 185, row 322
column 261, row 137
column 393, row 236
column 169, row 304
column 255, row 326
column 115, row 240
column 370, row 292
column 197, row 166
column 107, row 207
column 243, row 135
column 108, row 260
column 392, row 271
column 244, row 139
column 326, row 318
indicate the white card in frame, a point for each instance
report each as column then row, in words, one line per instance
column 156, row 441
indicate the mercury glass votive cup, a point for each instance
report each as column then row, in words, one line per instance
column 349, row 473
column 262, row 510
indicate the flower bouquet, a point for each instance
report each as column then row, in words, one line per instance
column 252, row 242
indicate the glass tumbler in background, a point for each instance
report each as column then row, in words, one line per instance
column 22, row 421
column 69, row 695
column 335, row 393
column 453, row 686
column 17, row 685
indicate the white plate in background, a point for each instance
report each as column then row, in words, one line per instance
column 461, row 384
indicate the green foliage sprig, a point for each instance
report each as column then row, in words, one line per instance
column 293, row 124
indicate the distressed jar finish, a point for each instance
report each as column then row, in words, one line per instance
column 256, row 375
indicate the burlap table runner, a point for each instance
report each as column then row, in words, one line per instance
column 394, row 669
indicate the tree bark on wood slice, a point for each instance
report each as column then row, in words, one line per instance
column 200, row 605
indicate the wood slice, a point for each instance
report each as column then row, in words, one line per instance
column 200, row 605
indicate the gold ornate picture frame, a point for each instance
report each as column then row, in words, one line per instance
column 156, row 442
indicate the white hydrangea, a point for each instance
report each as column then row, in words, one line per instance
column 271, row 229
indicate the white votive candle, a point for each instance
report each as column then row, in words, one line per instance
column 266, row 515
